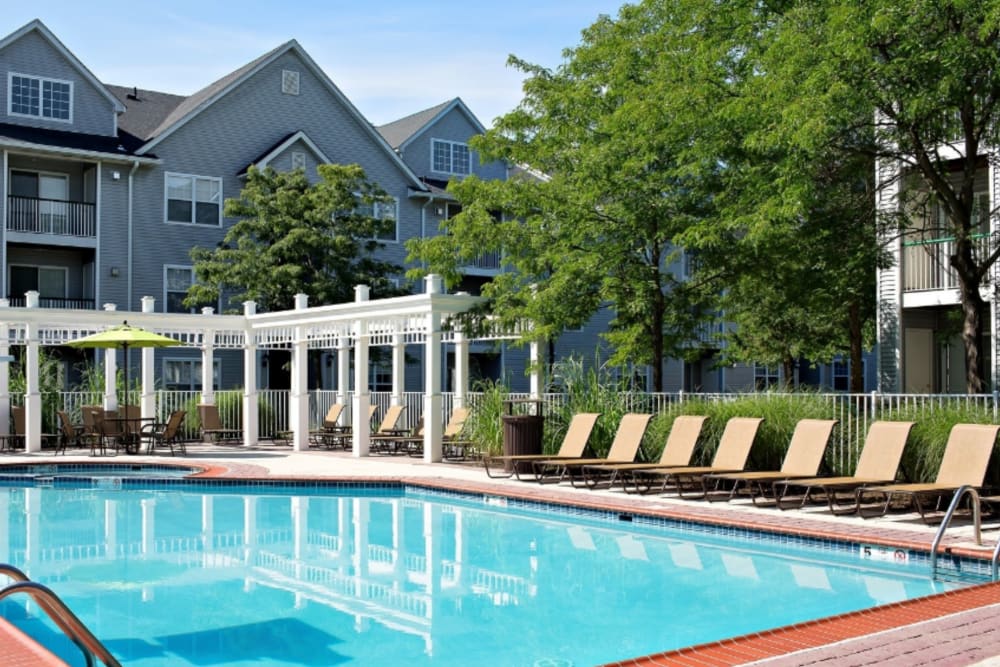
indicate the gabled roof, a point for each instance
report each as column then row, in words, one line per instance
column 206, row 97
column 144, row 109
column 281, row 146
column 399, row 133
column 46, row 34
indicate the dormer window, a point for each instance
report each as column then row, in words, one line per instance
column 450, row 157
column 37, row 97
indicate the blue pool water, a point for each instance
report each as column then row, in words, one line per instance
column 194, row 576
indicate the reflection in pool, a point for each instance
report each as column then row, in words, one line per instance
column 231, row 577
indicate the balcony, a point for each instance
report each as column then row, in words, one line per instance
column 486, row 264
column 34, row 215
column 926, row 263
column 54, row 302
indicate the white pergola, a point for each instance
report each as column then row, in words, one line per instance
column 397, row 322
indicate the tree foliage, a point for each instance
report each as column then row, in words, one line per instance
column 296, row 237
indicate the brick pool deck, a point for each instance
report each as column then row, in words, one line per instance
column 958, row 628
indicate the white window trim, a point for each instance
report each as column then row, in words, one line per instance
column 10, row 97
column 451, row 157
column 186, row 267
column 395, row 219
column 166, row 199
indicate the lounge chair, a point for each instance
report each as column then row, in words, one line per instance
column 878, row 464
column 573, row 446
column 169, row 433
column 803, row 458
column 386, row 438
column 16, row 438
column 731, row 456
column 624, row 449
column 332, row 433
column 966, row 457
column 211, row 425
column 453, row 445
column 677, row 451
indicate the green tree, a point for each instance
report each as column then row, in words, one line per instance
column 295, row 237
column 930, row 72
column 593, row 219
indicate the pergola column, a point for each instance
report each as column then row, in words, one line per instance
column 4, row 374
column 251, row 425
column 359, row 413
column 32, row 391
column 432, row 377
column 298, row 397
column 343, row 373
column 147, row 396
column 535, row 364
column 398, row 368
column 208, row 362
column 110, row 371
column 461, row 388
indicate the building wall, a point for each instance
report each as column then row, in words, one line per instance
column 92, row 112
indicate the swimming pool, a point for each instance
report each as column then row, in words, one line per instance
column 182, row 574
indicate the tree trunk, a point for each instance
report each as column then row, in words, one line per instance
column 972, row 336
column 856, row 342
column 788, row 369
column 657, row 342
column 972, row 307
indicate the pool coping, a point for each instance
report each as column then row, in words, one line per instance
column 733, row 651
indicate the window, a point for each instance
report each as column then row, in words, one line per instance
column 382, row 211
column 841, row 375
column 298, row 160
column 194, row 199
column 765, row 377
column 176, row 281
column 289, row 82
column 40, row 98
column 185, row 374
column 48, row 281
column 380, row 376
column 450, row 157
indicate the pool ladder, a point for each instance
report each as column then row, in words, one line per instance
column 977, row 523
column 56, row 609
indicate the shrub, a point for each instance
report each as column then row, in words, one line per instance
column 483, row 426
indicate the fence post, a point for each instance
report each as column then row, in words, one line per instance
column 996, row 397
column 871, row 412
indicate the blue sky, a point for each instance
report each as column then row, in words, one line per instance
column 390, row 58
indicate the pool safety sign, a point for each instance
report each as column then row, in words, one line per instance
column 884, row 554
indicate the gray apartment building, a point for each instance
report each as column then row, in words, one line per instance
column 105, row 189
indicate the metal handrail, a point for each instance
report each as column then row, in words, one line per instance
column 976, row 521
column 60, row 614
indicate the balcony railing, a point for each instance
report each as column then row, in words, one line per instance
column 489, row 261
column 51, row 216
column 54, row 302
column 926, row 264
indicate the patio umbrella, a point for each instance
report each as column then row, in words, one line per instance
column 123, row 337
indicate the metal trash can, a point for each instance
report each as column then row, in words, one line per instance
column 522, row 434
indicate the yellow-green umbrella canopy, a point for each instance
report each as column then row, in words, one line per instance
column 124, row 336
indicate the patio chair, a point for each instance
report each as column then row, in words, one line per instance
column 878, row 464
column 16, row 438
column 730, row 456
column 69, row 433
column 168, row 433
column 624, row 449
column 211, row 425
column 803, row 458
column 573, row 446
column 677, row 451
column 453, row 447
column 330, row 432
column 386, row 439
column 966, row 457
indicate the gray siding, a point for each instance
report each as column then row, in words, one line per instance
column 454, row 126
column 93, row 113
column 223, row 139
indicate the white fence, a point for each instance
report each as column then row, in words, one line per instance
column 854, row 412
